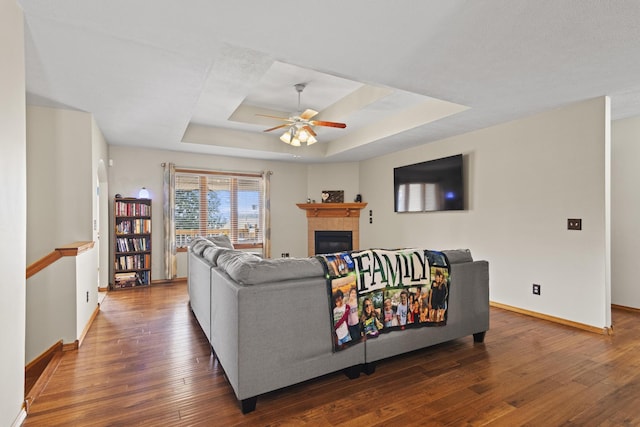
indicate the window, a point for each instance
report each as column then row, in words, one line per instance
column 208, row 203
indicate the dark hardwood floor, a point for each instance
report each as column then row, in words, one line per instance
column 146, row 362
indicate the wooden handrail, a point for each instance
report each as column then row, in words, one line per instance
column 72, row 249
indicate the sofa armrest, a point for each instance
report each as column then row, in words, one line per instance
column 199, row 285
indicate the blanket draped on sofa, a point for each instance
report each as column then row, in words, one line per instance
column 378, row 291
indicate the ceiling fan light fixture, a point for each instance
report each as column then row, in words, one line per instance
column 286, row 138
column 303, row 135
column 295, row 142
column 297, row 136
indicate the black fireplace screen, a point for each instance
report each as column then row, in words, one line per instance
column 328, row 242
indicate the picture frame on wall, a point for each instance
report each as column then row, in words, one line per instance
column 333, row 196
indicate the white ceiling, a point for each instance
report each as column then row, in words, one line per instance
column 191, row 75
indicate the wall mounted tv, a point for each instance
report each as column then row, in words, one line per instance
column 435, row 185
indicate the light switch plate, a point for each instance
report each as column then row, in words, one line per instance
column 574, row 224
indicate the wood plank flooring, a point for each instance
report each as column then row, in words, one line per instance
column 146, row 362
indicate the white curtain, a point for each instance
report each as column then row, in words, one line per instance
column 266, row 180
column 169, row 202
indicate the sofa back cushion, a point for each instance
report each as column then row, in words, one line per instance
column 248, row 269
column 221, row 240
column 212, row 253
column 206, row 247
column 457, row 256
column 198, row 245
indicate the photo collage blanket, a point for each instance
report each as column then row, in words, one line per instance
column 377, row 291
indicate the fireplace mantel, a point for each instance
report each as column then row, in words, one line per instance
column 332, row 216
column 332, row 210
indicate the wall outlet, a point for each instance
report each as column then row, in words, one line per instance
column 536, row 289
column 87, row 296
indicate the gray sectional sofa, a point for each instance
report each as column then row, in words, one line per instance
column 257, row 316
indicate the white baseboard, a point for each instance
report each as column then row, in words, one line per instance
column 20, row 418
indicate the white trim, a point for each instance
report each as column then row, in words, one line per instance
column 20, row 418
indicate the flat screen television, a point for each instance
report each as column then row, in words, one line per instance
column 434, row 185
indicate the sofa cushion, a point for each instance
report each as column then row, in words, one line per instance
column 198, row 245
column 221, row 240
column 212, row 253
column 249, row 269
column 457, row 256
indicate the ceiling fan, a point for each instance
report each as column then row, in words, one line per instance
column 300, row 126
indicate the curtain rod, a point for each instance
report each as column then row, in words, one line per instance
column 218, row 172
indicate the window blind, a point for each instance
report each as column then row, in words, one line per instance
column 209, row 203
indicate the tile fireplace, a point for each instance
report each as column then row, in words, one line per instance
column 332, row 217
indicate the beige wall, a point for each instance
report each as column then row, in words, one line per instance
column 65, row 153
column 13, row 192
column 625, row 212
column 60, row 179
column 525, row 179
column 333, row 176
column 51, row 308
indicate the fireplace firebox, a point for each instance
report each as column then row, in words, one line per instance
column 329, row 241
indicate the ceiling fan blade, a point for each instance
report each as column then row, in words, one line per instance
column 276, row 127
column 329, row 124
column 309, row 129
column 275, row 117
column 308, row 113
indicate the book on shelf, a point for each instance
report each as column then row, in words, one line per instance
column 127, row 275
column 131, row 208
column 144, row 277
column 136, row 244
column 134, row 226
column 133, row 262
column 126, row 280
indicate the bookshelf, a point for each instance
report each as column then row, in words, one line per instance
column 132, row 243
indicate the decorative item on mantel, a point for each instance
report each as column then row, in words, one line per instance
column 333, row 196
